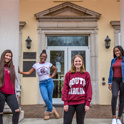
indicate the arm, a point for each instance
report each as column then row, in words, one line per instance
column 26, row 73
column 88, row 92
column 65, row 92
column 54, row 72
column 110, row 76
column 17, row 86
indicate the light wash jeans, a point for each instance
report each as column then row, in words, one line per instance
column 46, row 89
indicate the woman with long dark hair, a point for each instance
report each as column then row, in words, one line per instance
column 46, row 84
column 8, row 86
column 116, row 82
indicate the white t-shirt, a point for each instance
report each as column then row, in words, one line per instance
column 42, row 70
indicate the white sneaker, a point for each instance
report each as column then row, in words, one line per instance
column 119, row 121
column 114, row 121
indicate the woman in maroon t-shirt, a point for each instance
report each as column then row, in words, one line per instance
column 7, row 86
column 116, row 84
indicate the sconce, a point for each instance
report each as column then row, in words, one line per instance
column 28, row 40
column 107, row 42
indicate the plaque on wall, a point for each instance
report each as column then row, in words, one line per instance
column 27, row 65
column 29, row 55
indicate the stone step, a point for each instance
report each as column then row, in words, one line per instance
column 7, row 118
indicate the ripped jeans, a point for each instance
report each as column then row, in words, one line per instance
column 46, row 89
column 11, row 100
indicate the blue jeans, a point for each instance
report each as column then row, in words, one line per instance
column 46, row 89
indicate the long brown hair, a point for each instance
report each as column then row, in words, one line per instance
column 73, row 69
column 9, row 65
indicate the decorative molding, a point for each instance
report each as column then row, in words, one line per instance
column 21, row 24
column 67, row 12
column 115, row 24
column 117, row 31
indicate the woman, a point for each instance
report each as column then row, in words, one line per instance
column 8, row 86
column 116, row 82
column 77, row 91
column 45, row 82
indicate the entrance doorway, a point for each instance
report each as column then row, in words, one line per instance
column 62, row 55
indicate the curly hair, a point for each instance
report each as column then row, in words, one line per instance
column 121, row 50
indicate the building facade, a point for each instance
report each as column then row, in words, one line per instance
column 65, row 28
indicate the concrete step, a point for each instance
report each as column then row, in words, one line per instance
column 7, row 118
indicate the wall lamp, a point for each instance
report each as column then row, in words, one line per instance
column 28, row 40
column 107, row 42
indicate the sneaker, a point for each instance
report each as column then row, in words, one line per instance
column 119, row 121
column 114, row 121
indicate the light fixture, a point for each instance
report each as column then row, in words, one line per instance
column 107, row 42
column 28, row 40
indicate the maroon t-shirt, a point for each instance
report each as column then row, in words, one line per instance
column 8, row 87
column 117, row 72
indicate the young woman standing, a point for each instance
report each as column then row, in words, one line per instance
column 77, row 91
column 46, row 84
column 116, row 82
column 8, row 86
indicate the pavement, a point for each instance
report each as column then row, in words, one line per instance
column 98, row 114
column 60, row 121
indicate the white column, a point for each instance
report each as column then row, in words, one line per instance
column 122, row 21
column 9, row 27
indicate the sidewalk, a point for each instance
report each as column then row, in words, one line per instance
column 98, row 114
column 60, row 121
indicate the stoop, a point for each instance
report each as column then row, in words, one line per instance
column 7, row 116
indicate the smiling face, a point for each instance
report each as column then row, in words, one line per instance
column 78, row 63
column 117, row 53
column 43, row 57
column 8, row 57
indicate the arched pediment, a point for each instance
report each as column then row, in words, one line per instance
column 67, row 11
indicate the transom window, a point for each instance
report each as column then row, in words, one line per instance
column 67, row 40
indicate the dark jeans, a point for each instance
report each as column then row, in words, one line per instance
column 117, row 85
column 80, row 114
column 11, row 100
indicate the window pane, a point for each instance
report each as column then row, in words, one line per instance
column 82, row 53
column 67, row 41
column 57, row 59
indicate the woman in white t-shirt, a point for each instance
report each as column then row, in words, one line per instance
column 46, row 84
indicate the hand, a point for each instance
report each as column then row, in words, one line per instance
column 110, row 86
column 18, row 96
column 66, row 107
column 51, row 76
column 18, row 69
column 87, row 108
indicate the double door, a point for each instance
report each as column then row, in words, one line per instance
column 62, row 57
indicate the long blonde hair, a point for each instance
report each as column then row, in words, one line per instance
column 73, row 69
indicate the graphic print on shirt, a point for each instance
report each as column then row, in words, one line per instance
column 6, row 69
column 77, row 81
column 43, row 71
